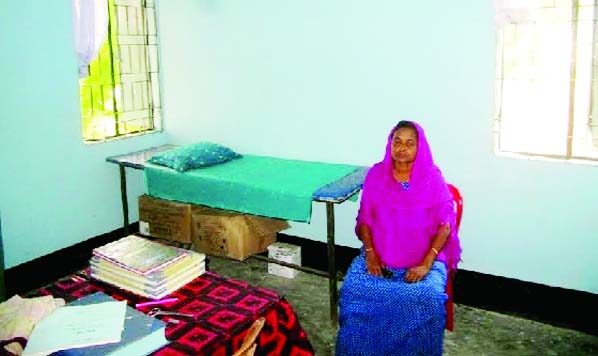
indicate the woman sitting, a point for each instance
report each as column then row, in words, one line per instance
column 392, row 299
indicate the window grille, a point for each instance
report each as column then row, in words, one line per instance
column 121, row 95
column 546, row 78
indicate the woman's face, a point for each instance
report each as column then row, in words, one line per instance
column 404, row 145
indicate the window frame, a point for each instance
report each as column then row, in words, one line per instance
column 573, row 139
column 131, row 40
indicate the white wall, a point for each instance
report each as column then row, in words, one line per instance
column 326, row 80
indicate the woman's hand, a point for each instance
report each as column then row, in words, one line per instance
column 444, row 230
column 417, row 273
column 373, row 262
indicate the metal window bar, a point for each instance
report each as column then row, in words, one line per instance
column 113, row 66
column 138, row 91
column 593, row 116
column 572, row 76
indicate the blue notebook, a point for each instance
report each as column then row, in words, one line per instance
column 142, row 334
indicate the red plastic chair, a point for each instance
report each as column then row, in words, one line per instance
column 450, row 309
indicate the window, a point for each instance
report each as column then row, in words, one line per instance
column 121, row 94
column 547, row 78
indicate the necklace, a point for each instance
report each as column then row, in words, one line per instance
column 404, row 185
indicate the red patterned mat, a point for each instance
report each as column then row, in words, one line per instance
column 223, row 309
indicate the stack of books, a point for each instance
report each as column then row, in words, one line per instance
column 145, row 267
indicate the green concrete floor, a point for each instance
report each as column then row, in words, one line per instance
column 477, row 332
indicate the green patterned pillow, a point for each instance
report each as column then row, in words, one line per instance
column 193, row 156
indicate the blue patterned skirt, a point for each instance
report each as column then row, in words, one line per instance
column 380, row 316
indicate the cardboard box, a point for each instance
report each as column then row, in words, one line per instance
column 287, row 253
column 229, row 234
column 165, row 219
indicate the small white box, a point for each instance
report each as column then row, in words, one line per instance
column 286, row 253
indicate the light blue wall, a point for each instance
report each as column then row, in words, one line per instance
column 307, row 79
column 55, row 191
column 326, row 80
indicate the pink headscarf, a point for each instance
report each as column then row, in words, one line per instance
column 404, row 222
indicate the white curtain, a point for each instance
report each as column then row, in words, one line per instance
column 514, row 11
column 90, row 23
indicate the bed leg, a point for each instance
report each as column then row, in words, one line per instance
column 332, row 288
column 123, row 196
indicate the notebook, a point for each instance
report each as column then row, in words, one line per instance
column 140, row 255
column 142, row 334
column 193, row 260
column 148, row 291
column 78, row 326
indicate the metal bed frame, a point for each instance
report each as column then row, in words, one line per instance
column 334, row 193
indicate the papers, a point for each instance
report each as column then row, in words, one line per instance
column 142, row 334
column 19, row 315
column 77, row 326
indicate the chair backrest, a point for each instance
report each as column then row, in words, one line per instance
column 450, row 310
column 458, row 203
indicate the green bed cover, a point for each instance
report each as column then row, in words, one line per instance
column 258, row 185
